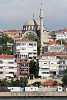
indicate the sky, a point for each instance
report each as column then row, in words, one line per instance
column 15, row 13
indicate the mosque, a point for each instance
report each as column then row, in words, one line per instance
column 36, row 27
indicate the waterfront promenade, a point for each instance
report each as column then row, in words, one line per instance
column 32, row 94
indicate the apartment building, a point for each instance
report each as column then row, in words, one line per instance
column 62, row 61
column 48, row 65
column 60, row 34
column 23, row 67
column 52, row 64
column 25, row 49
column 8, row 66
column 54, row 48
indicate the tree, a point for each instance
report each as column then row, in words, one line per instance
column 55, row 83
column 23, row 81
column 4, row 82
column 64, row 79
column 3, row 44
column 61, row 41
column 36, row 84
column 32, row 67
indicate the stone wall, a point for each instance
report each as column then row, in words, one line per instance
column 33, row 94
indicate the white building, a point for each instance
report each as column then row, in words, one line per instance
column 48, row 65
column 25, row 49
column 60, row 34
column 54, row 48
column 31, row 89
column 8, row 66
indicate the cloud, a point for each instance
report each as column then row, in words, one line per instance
column 14, row 13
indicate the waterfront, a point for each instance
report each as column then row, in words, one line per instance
column 35, row 99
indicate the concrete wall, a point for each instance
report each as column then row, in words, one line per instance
column 33, row 94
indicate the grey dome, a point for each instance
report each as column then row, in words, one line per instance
column 32, row 22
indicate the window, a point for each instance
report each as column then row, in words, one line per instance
column 1, row 61
column 1, row 67
column 34, row 53
column 24, row 69
column 23, row 44
column 29, row 53
column 45, row 63
column 10, row 67
column 18, row 44
column 23, row 48
column 45, row 72
column 31, row 44
column 34, row 44
column 10, row 62
column 1, row 72
column 11, row 72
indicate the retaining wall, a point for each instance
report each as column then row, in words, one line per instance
column 32, row 94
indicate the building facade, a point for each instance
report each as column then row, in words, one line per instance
column 23, row 67
column 52, row 64
column 25, row 49
column 8, row 67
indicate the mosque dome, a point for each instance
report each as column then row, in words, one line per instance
column 32, row 25
column 32, row 22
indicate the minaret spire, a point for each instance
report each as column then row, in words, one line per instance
column 41, row 26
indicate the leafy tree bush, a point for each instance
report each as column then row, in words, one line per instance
column 20, row 83
column 36, row 84
column 64, row 79
column 3, row 44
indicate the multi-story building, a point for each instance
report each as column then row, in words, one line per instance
column 25, row 49
column 62, row 61
column 54, row 48
column 48, row 65
column 60, row 34
column 23, row 67
column 8, row 66
column 52, row 64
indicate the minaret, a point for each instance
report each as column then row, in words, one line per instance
column 41, row 26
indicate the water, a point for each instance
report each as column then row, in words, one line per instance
column 36, row 99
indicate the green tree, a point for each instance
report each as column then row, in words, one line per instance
column 33, row 67
column 23, row 81
column 64, row 78
column 4, row 82
column 36, row 83
column 55, row 83
column 3, row 44
column 61, row 41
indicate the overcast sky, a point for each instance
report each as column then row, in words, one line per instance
column 14, row 13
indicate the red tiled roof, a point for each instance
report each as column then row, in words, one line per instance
column 61, row 54
column 4, row 56
column 54, row 54
column 11, row 31
column 51, row 42
column 48, row 83
column 21, row 40
column 49, row 54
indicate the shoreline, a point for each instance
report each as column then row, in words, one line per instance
column 33, row 94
